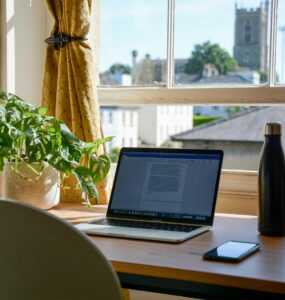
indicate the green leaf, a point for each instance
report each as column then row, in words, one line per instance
column 93, row 146
column 60, row 164
column 86, row 185
column 2, row 163
column 71, row 151
column 71, row 146
column 65, row 131
column 100, row 167
column 42, row 111
column 32, row 120
column 54, row 132
column 2, row 114
column 38, row 145
column 4, row 96
column 83, row 172
column 14, row 116
column 8, row 136
column 93, row 161
column 20, row 105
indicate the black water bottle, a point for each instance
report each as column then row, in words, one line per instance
column 271, row 183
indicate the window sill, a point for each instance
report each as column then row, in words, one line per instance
column 238, row 192
column 243, row 95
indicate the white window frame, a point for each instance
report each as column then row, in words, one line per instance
column 238, row 189
column 265, row 94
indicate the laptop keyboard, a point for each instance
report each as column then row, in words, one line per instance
column 147, row 225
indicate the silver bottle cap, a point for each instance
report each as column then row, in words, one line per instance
column 273, row 129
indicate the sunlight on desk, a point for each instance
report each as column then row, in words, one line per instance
column 179, row 269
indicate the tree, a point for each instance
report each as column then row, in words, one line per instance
column 208, row 53
column 114, row 154
column 120, row 68
column 263, row 77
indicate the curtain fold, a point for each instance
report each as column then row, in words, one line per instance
column 69, row 90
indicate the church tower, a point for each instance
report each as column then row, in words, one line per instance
column 250, row 48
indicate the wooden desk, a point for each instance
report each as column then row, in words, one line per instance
column 179, row 269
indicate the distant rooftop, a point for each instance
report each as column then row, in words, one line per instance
column 242, row 127
column 119, row 107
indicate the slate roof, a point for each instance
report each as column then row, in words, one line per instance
column 242, row 127
column 218, row 79
column 223, row 79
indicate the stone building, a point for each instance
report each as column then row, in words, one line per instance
column 250, row 48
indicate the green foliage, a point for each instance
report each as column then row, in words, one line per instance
column 263, row 77
column 199, row 120
column 231, row 110
column 28, row 136
column 114, row 154
column 208, row 53
column 171, row 144
column 120, row 68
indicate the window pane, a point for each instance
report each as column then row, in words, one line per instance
column 280, row 49
column 133, row 42
column 146, row 125
column 221, row 42
column 238, row 130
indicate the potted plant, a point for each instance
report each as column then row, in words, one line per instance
column 33, row 144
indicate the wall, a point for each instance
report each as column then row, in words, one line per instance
column 163, row 121
column 24, row 28
column 125, row 133
column 237, row 155
column 172, row 119
column 148, row 129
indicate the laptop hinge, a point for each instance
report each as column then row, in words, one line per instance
column 156, row 221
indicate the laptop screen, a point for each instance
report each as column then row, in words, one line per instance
column 170, row 184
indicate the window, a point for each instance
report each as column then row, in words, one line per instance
column 110, row 119
column 251, row 74
column 280, row 47
column 124, row 118
column 247, row 32
column 171, row 90
column 131, row 119
column 133, row 43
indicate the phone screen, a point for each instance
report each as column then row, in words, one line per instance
column 232, row 251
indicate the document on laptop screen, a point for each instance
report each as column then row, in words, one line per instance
column 166, row 183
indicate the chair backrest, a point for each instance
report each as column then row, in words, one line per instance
column 44, row 257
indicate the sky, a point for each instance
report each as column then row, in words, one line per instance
column 140, row 25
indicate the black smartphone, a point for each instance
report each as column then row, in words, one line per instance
column 233, row 251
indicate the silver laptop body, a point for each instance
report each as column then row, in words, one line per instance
column 161, row 194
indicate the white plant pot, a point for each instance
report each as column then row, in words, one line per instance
column 43, row 192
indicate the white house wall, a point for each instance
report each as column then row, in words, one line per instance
column 163, row 121
column 173, row 119
column 148, row 124
column 118, row 123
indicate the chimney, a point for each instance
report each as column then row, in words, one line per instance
column 134, row 55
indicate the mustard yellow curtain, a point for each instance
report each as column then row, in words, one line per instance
column 69, row 90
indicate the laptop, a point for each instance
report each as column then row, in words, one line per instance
column 161, row 194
